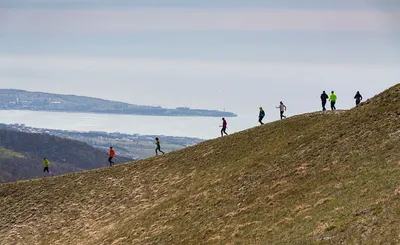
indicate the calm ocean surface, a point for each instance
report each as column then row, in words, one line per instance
column 199, row 127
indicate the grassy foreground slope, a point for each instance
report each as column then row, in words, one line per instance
column 321, row 178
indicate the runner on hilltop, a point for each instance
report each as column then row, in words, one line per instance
column 282, row 109
column 358, row 97
column 111, row 155
column 324, row 98
column 333, row 99
column 158, row 148
column 224, row 126
column 261, row 116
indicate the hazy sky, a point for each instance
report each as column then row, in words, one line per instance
column 212, row 54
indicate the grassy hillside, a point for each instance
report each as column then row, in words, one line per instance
column 5, row 153
column 21, row 155
column 320, row 178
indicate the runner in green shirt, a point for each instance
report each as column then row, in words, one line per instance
column 46, row 164
column 333, row 99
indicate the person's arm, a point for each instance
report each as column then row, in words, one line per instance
column 285, row 107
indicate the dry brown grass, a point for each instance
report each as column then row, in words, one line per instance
column 320, row 178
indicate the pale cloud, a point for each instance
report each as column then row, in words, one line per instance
column 65, row 1
column 184, row 68
column 173, row 19
column 326, row 4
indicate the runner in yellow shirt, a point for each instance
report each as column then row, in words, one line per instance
column 333, row 99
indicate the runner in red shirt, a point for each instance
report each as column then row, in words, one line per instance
column 111, row 155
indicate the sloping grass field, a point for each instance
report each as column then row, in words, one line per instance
column 318, row 178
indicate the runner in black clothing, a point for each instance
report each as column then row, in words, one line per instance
column 224, row 126
column 324, row 98
column 261, row 116
column 358, row 97
column 158, row 146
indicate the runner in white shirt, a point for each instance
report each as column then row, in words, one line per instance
column 282, row 109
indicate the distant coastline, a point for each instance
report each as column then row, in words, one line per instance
column 12, row 99
column 217, row 114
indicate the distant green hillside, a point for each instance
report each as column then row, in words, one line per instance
column 21, row 155
column 11, row 99
column 4, row 153
column 319, row 178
